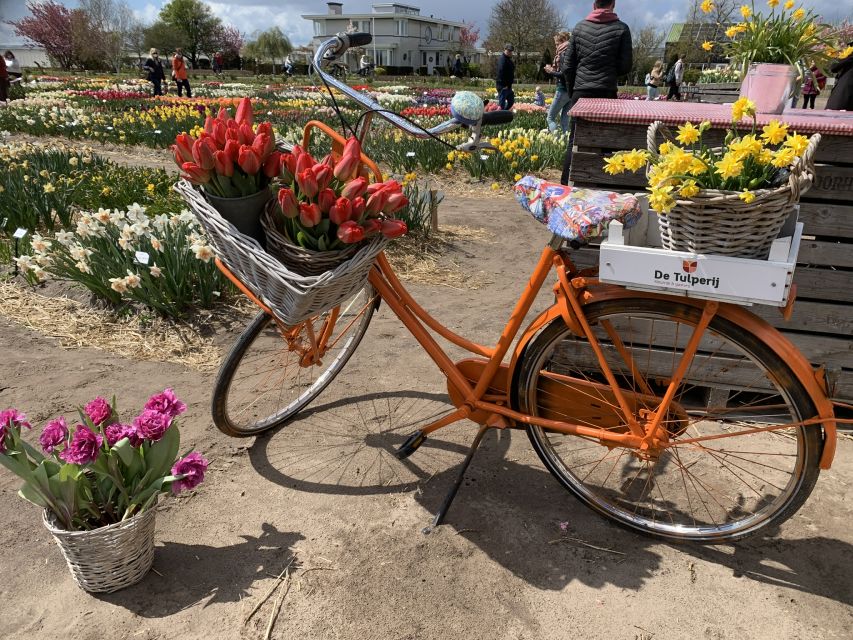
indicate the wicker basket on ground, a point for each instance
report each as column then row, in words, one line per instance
column 719, row 222
column 291, row 296
column 108, row 558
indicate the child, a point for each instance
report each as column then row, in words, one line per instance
column 539, row 97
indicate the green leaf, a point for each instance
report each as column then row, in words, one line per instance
column 31, row 494
column 125, row 451
column 162, row 454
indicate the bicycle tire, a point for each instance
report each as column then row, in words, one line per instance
column 236, row 417
column 733, row 473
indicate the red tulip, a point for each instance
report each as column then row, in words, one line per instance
column 195, row 173
column 208, row 125
column 288, row 167
column 394, row 228
column 329, row 161
column 219, row 133
column 346, row 167
column 324, row 175
column 224, row 164
column 304, row 161
column 179, row 159
column 371, row 227
column 232, row 149
column 357, row 208
column 247, row 136
column 184, row 143
column 326, row 199
column 352, row 147
column 309, row 214
column 307, row 182
column 396, row 201
column 262, row 146
column 297, row 150
column 341, row 211
column 265, row 127
column 354, row 188
column 244, row 112
column 203, row 154
column 376, row 202
column 232, row 133
column 248, row 160
column 272, row 164
column 374, row 187
column 223, row 115
column 287, row 202
column 350, row 232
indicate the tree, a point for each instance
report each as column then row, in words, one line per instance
column 469, row 35
column 271, row 44
column 646, row 43
column 199, row 30
column 163, row 36
column 231, row 42
column 49, row 25
column 529, row 25
column 112, row 22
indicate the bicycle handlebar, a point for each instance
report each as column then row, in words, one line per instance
column 335, row 47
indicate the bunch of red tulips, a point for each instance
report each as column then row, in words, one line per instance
column 230, row 158
column 328, row 204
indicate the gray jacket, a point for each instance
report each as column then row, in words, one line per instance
column 599, row 52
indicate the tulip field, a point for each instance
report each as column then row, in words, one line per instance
column 87, row 218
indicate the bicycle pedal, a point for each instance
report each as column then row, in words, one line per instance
column 410, row 445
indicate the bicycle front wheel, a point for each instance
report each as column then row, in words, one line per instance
column 267, row 379
column 710, row 491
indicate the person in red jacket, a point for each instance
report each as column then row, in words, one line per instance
column 4, row 81
column 179, row 73
column 814, row 84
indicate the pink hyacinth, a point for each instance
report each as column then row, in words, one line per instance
column 54, row 434
column 166, row 402
column 98, row 410
column 190, row 471
column 152, row 424
column 84, row 446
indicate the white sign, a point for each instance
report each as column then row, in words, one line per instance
column 142, row 257
column 3, row 224
column 20, row 232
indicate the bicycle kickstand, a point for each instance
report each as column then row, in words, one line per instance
column 448, row 499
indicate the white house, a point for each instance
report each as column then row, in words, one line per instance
column 402, row 37
column 28, row 57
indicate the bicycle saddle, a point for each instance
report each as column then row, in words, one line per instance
column 576, row 214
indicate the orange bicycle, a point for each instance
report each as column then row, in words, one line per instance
column 683, row 418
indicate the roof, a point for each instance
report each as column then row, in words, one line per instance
column 380, row 16
column 697, row 32
column 675, row 32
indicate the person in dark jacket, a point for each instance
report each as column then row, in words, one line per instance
column 156, row 75
column 505, row 78
column 558, row 114
column 457, row 66
column 841, row 98
column 599, row 52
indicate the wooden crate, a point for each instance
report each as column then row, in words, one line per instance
column 822, row 322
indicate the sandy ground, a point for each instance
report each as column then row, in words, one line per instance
column 327, row 491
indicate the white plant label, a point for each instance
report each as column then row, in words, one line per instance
column 20, row 232
column 142, row 257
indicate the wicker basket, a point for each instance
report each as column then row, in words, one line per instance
column 109, row 558
column 299, row 259
column 291, row 296
column 719, row 222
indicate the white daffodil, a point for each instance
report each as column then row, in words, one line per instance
column 203, row 252
column 118, row 284
column 155, row 271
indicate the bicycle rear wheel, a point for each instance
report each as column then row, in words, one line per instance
column 265, row 381
column 710, row 491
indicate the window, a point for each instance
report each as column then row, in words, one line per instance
column 364, row 26
column 384, row 57
column 402, row 27
column 318, row 28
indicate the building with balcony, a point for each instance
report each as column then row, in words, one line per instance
column 404, row 41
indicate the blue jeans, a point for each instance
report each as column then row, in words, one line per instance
column 652, row 92
column 559, row 106
column 506, row 98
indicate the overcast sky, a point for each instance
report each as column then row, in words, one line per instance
column 253, row 15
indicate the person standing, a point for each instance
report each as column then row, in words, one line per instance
column 560, row 104
column 288, row 66
column 179, row 73
column 505, row 78
column 813, row 85
column 154, row 67
column 364, row 66
column 599, row 52
column 841, row 98
column 218, row 61
column 674, row 78
column 4, row 82
column 654, row 80
column 457, row 66
column 13, row 67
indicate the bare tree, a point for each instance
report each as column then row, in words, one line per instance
column 646, row 43
column 529, row 25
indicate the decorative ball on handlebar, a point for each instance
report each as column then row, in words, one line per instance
column 467, row 107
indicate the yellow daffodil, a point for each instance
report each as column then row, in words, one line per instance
column 495, row 186
column 707, row 46
column 635, row 160
column 742, row 107
column 687, row 133
column 534, row 158
column 448, row 166
column 660, row 199
column 774, row 132
column 665, row 148
column 789, row 5
column 517, row 177
column 798, row 143
column 688, row 189
column 745, row 11
column 846, row 52
column 799, row 14
column 697, row 167
column 731, row 32
column 49, row 188
column 729, row 167
column 150, row 187
column 747, row 196
column 707, row 6
column 772, row 3
column 614, row 165
column 783, row 157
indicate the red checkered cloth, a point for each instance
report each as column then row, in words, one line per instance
column 804, row 121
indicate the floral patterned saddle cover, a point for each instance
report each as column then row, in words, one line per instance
column 573, row 213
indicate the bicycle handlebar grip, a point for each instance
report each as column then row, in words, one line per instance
column 359, row 39
column 497, row 117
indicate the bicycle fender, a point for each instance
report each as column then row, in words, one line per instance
column 812, row 380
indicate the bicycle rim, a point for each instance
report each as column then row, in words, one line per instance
column 708, row 491
column 265, row 380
